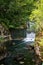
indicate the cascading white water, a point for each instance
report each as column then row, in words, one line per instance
column 30, row 37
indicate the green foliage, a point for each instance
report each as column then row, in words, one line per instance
column 41, row 42
column 15, row 13
column 37, row 15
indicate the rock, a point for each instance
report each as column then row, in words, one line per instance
column 21, row 62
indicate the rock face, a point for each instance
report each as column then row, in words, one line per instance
column 38, row 60
column 4, row 33
column 3, row 30
column 39, row 43
column 36, row 54
column 10, row 33
column 4, row 36
column 18, row 34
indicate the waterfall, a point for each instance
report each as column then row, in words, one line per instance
column 30, row 37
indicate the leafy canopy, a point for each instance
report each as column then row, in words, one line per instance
column 37, row 15
column 15, row 13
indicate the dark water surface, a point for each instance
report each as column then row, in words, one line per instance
column 18, row 51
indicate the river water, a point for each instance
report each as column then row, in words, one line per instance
column 15, row 47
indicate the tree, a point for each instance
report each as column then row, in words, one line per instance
column 15, row 13
column 37, row 15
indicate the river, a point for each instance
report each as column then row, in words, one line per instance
column 15, row 47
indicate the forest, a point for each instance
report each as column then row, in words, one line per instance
column 21, row 32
